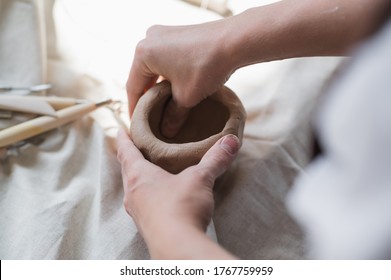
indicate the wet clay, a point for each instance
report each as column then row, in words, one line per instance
column 220, row 114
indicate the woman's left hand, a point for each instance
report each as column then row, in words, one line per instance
column 158, row 200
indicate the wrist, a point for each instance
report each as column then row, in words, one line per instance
column 250, row 37
column 259, row 35
column 177, row 241
column 288, row 29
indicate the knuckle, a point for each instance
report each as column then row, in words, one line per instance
column 141, row 48
column 126, row 202
column 153, row 29
column 125, row 162
column 120, row 154
column 133, row 172
column 203, row 174
column 144, row 52
column 132, row 191
column 131, row 182
column 128, row 206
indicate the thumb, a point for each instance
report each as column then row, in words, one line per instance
column 173, row 119
column 220, row 156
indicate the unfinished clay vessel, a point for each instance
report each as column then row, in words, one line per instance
column 220, row 114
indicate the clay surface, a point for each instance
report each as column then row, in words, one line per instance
column 218, row 115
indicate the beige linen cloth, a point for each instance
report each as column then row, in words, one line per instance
column 62, row 198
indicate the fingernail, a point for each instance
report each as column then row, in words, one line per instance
column 230, row 143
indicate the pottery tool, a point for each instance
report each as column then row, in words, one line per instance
column 19, row 104
column 41, row 105
column 35, row 88
column 5, row 114
column 36, row 126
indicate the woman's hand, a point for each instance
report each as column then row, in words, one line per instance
column 173, row 211
column 193, row 58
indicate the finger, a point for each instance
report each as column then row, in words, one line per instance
column 219, row 157
column 139, row 81
column 173, row 119
column 127, row 153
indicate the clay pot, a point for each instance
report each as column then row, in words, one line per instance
column 220, row 114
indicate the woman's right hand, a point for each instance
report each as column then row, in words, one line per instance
column 195, row 59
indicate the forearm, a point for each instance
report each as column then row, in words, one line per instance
column 299, row 28
column 179, row 242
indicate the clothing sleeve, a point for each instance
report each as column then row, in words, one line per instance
column 343, row 201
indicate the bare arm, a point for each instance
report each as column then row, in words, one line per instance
column 179, row 242
column 199, row 59
column 301, row 28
